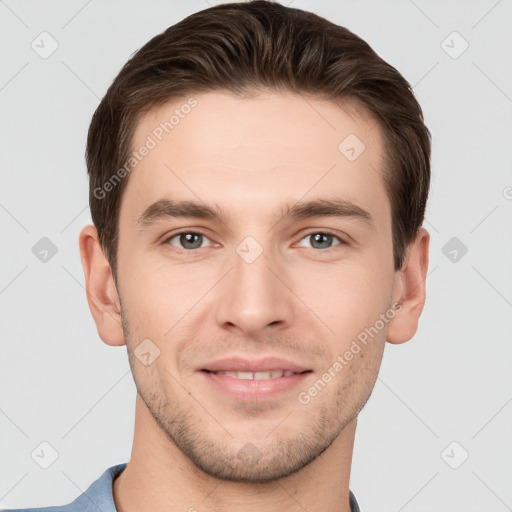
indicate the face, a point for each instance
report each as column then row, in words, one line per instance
column 254, row 252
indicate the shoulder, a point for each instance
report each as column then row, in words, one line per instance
column 98, row 496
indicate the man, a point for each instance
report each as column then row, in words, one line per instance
column 258, row 182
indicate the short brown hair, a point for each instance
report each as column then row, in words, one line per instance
column 248, row 47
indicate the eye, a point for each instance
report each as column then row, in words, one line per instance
column 187, row 240
column 321, row 240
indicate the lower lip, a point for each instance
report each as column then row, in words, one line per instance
column 252, row 389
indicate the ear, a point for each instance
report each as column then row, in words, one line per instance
column 410, row 288
column 101, row 291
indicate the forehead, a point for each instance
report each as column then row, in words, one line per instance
column 268, row 149
column 220, row 120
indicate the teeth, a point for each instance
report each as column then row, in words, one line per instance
column 256, row 375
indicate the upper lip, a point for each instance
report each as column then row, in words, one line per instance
column 239, row 364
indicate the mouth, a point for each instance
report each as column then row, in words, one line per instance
column 252, row 380
column 272, row 374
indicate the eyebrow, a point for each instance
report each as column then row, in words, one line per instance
column 167, row 208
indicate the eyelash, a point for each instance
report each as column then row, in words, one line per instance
column 325, row 232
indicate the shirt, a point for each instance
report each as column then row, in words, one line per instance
column 98, row 497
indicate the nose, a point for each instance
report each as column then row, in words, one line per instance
column 254, row 299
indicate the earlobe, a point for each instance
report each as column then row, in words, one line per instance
column 410, row 284
column 102, row 295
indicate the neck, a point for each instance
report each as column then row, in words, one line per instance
column 159, row 474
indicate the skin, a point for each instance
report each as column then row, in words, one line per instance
column 297, row 300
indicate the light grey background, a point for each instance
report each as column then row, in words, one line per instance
column 60, row 384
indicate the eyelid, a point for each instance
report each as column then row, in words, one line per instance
column 341, row 240
column 167, row 238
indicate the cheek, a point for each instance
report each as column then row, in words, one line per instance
column 159, row 297
column 346, row 298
